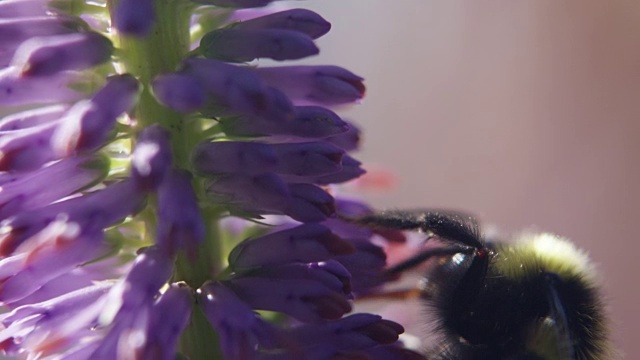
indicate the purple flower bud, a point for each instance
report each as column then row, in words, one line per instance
column 42, row 325
column 240, row 329
column 249, row 158
column 321, row 85
column 366, row 266
column 55, row 250
column 263, row 193
column 21, row 8
column 308, row 292
column 91, row 212
column 168, row 318
column 19, row 90
column 180, row 225
column 43, row 56
column 348, row 141
column 69, row 175
column 33, row 117
column 151, row 158
column 236, row 89
column 350, row 170
column 305, row 243
column 357, row 332
column 309, row 122
column 27, row 149
column 16, row 29
column 88, row 124
column 235, row 3
column 308, row 159
column 300, row 20
column 309, row 203
column 134, row 17
column 239, row 45
column 182, row 93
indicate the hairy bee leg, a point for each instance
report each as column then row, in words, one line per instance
column 452, row 226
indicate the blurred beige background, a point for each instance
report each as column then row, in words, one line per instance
column 524, row 112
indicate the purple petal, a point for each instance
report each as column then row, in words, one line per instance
column 22, row 8
column 321, row 85
column 239, row 45
column 69, row 175
column 305, row 243
column 151, row 158
column 350, row 170
column 349, row 140
column 301, row 20
column 180, row 224
column 43, row 56
column 134, row 17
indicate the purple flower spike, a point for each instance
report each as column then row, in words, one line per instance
column 151, row 159
column 236, row 3
column 305, row 243
column 345, row 338
column 88, row 124
column 33, row 117
column 249, row 158
column 70, row 175
column 237, row 89
column 300, row 20
column 168, row 318
column 307, row 292
column 310, row 203
column 321, row 85
column 180, row 225
column 180, row 92
column 312, row 122
column 238, row 45
column 241, row 330
column 43, row 56
column 134, row 17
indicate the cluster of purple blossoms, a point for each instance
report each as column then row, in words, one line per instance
column 136, row 127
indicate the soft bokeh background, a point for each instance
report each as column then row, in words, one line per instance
column 524, row 112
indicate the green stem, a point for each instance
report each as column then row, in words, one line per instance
column 161, row 52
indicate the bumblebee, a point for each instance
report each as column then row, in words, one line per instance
column 532, row 299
